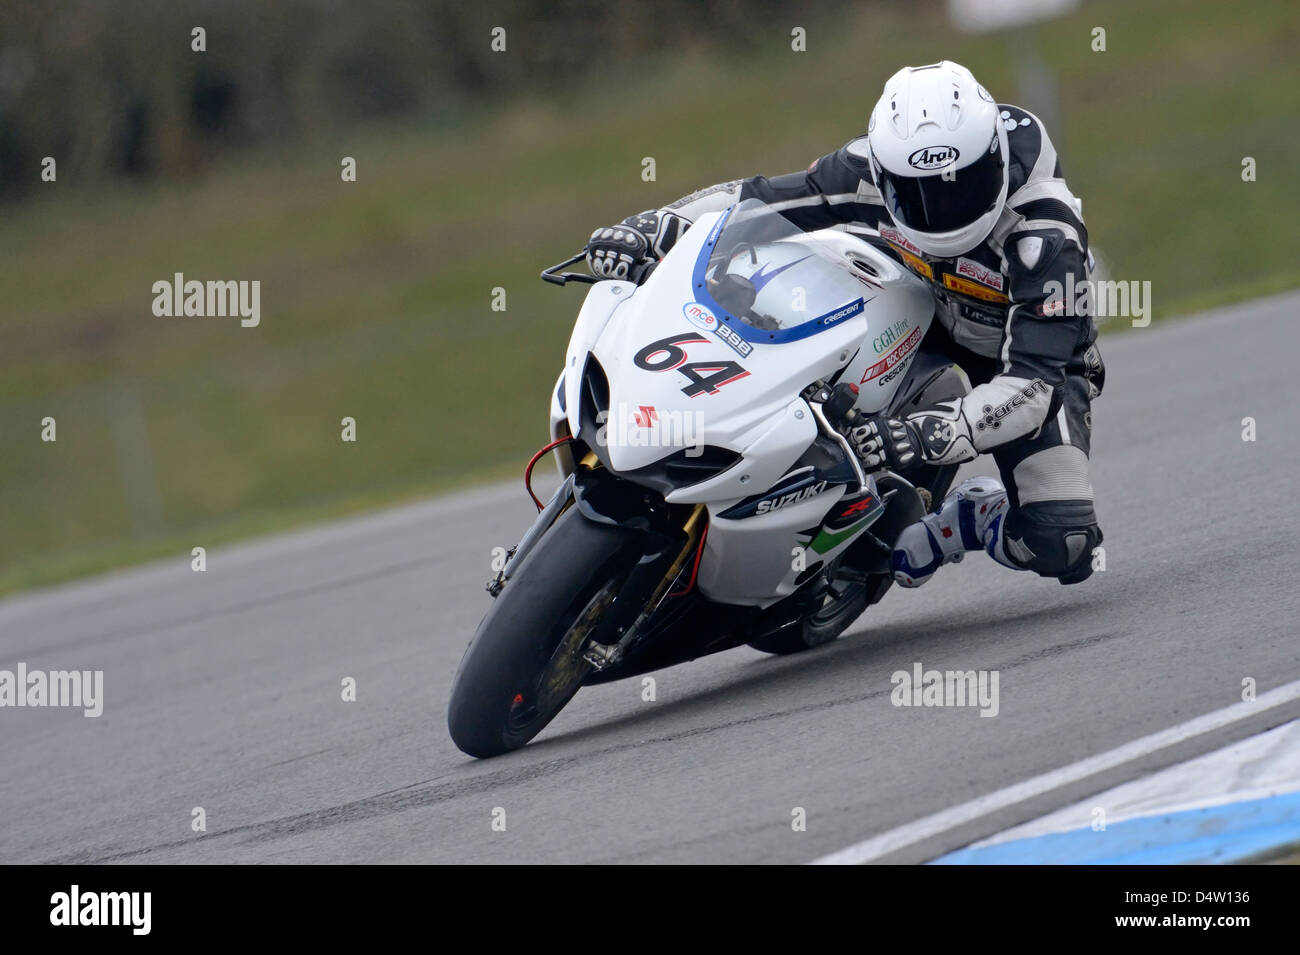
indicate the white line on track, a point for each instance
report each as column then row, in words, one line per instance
column 913, row 832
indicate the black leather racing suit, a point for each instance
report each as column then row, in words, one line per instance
column 1034, row 364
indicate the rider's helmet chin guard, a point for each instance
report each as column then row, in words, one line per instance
column 938, row 152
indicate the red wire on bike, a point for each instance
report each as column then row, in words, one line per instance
column 695, row 567
column 528, row 471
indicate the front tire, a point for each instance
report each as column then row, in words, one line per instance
column 525, row 660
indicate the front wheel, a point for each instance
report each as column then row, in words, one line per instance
column 526, row 659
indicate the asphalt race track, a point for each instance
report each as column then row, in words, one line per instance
column 223, row 689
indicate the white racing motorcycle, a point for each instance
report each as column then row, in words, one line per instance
column 707, row 502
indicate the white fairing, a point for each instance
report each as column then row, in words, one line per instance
column 730, row 378
column 600, row 303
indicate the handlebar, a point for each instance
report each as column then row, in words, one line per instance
column 554, row 275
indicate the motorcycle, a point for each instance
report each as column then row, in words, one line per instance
column 706, row 501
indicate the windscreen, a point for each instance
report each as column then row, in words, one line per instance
column 772, row 277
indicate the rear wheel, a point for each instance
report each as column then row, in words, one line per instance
column 842, row 604
column 837, row 613
column 526, row 660
column 868, row 573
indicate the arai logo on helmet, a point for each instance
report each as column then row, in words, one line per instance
column 930, row 158
column 699, row 316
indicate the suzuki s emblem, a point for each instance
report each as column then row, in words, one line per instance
column 645, row 417
column 699, row 316
column 930, row 158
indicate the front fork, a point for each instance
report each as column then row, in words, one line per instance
column 666, row 549
column 655, row 572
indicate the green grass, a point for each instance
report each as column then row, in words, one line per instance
column 376, row 294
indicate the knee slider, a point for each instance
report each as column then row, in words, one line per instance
column 1054, row 539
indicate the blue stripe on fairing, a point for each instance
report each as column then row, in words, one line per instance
column 757, row 336
column 1216, row 834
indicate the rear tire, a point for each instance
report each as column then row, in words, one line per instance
column 831, row 620
column 525, row 660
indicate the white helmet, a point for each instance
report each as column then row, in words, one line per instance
column 939, row 157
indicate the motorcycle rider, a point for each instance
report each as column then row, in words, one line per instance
column 969, row 195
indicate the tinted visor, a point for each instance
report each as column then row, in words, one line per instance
column 935, row 204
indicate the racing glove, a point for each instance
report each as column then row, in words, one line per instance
column 935, row 435
column 624, row 251
column 950, row 432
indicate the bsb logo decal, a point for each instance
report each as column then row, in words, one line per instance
column 893, row 358
column 985, row 276
column 967, row 287
column 701, row 317
column 732, row 338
